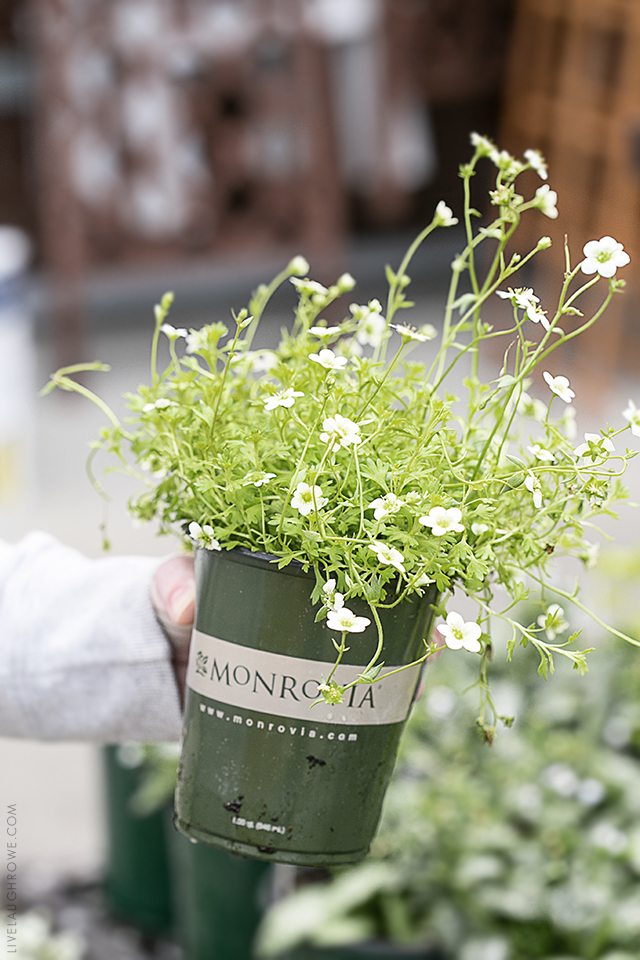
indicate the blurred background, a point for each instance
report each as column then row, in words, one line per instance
column 196, row 145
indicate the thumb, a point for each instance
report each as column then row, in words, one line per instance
column 173, row 597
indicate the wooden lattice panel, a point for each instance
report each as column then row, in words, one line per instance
column 573, row 92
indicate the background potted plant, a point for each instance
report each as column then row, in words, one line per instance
column 137, row 877
column 337, row 493
column 218, row 899
column 529, row 850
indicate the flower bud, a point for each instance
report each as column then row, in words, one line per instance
column 298, row 267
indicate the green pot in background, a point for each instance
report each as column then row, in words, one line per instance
column 367, row 951
column 137, row 881
column 218, row 900
column 263, row 773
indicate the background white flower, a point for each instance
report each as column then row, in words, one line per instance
column 325, row 333
column 443, row 520
column 388, row 555
column 410, row 333
column 309, row 287
column 262, row 479
column 560, row 386
column 458, row 635
column 339, row 431
column 173, row 333
column 483, row 145
column 284, row 398
column 594, row 447
column 384, row 506
column 333, row 599
column 532, row 484
column 161, row 404
column 632, row 415
column 444, row 215
column 327, row 359
column 546, row 201
column 372, row 327
column 197, row 340
column 553, row 621
column 203, row 536
column 307, row 499
column 604, row 256
column 537, row 162
column 345, row 621
column 525, row 299
column 541, row 453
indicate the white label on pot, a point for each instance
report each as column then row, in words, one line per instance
column 288, row 686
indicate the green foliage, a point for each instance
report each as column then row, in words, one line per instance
column 287, row 451
column 528, row 850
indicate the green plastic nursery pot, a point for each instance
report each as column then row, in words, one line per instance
column 263, row 772
column 137, row 882
column 217, row 900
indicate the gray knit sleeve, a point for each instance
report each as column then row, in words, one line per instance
column 82, row 656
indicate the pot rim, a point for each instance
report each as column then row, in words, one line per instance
column 258, row 558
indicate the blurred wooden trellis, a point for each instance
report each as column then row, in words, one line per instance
column 572, row 91
column 171, row 128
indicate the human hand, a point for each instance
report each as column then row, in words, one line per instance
column 173, row 596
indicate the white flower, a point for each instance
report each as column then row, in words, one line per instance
column 477, row 529
column 384, row 506
column 594, row 447
column 541, row 453
column 423, row 581
column 258, row 361
column 345, row 621
column 553, row 621
column 284, row 398
column 458, row 634
column 161, row 404
column 532, row 484
column 525, row 299
column 567, row 422
column 632, row 415
column 604, row 256
column 325, row 333
column 203, row 536
column 483, row 145
column 590, row 555
column 537, row 162
column 327, row 359
column 371, row 322
column 308, row 499
column 410, row 333
column 298, row 266
column 371, row 330
column 334, row 600
column 339, row 432
column 505, row 162
column 546, row 201
column 388, row 555
column 173, row 333
column 309, row 287
column 532, row 407
column 443, row 520
column 560, row 386
column 262, row 478
column 444, row 215
column 197, row 340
